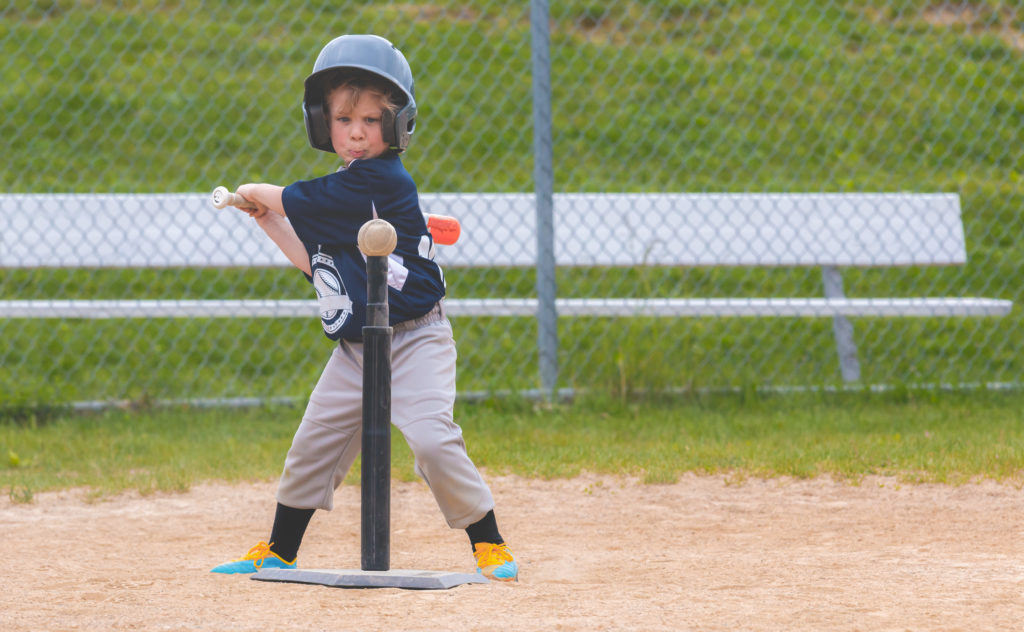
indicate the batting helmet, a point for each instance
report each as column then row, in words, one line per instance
column 374, row 54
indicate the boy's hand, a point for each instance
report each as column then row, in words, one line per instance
column 250, row 205
column 256, row 211
column 263, row 198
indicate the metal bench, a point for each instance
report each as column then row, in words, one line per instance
column 825, row 230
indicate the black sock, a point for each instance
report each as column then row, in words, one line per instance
column 289, row 527
column 484, row 530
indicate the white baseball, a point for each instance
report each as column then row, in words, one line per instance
column 377, row 238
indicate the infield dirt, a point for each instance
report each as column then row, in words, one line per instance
column 596, row 553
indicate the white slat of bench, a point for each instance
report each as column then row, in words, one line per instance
column 720, row 307
column 710, row 229
column 158, row 308
column 663, row 307
column 614, row 229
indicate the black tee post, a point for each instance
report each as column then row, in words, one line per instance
column 376, row 463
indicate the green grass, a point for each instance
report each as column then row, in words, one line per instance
column 944, row 437
column 653, row 95
column 709, row 95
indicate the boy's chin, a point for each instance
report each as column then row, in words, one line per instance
column 366, row 155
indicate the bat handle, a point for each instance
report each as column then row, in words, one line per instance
column 222, row 198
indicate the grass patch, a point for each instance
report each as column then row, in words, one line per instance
column 917, row 436
column 950, row 437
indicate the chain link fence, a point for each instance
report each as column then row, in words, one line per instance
column 645, row 97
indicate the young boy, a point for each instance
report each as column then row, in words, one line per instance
column 359, row 104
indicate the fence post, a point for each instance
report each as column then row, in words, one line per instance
column 543, row 177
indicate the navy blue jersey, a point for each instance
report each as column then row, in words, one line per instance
column 327, row 214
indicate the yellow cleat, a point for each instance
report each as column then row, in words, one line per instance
column 495, row 561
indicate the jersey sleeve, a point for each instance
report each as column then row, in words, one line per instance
column 328, row 210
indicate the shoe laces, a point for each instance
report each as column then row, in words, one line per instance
column 489, row 554
column 258, row 554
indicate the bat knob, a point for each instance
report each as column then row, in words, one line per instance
column 221, row 197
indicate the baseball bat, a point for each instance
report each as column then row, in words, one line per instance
column 443, row 228
column 222, row 197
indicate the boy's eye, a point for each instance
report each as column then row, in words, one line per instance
column 372, row 121
column 343, row 119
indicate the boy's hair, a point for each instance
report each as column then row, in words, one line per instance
column 360, row 82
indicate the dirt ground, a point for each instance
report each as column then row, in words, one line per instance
column 596, row 553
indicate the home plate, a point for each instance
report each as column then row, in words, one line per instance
column 394, row 578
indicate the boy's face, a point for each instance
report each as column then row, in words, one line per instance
column 356, row 132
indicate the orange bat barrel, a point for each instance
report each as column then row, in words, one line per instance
column 444, row 229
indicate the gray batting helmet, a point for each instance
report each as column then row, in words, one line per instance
column 371, row 53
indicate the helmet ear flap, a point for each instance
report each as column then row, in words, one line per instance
column 387, row 129
column 316, row 125
column 405, row 124
column 397, row 129
column 401, row 126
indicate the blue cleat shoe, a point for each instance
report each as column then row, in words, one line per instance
column 258, row 557
column 495, row 561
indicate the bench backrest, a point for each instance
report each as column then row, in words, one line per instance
column 498, row 229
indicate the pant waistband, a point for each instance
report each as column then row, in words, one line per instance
column 435, row 315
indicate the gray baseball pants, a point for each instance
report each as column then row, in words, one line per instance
column 422, row 400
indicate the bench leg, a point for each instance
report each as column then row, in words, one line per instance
column 842, row 328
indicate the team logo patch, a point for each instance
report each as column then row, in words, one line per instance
column 335, row 305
